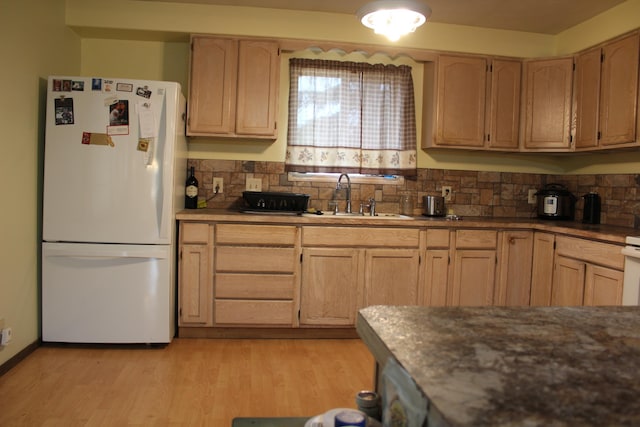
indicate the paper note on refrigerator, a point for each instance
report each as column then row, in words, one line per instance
column 146, row 120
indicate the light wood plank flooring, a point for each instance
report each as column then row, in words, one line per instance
column 205, row 382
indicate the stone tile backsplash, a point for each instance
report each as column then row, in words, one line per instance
column 475, row 193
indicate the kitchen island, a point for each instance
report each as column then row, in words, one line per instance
column 507, row 366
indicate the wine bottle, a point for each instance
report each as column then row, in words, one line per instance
column 191, row 191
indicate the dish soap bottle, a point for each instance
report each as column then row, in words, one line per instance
column 191, row 191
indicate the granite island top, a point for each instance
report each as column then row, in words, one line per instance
column 508, row 366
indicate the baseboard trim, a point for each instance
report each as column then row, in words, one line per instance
column 268, row 333
column 19, row 357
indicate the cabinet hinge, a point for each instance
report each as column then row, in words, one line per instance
column 419, row 259
column 488, row 137
column 602, row 57
column 570, row 138
column 574, row 66
column 300, row 258
column 180, row 312
column 449, row 259
column 599, row 135
column 490, row 68
column 298, row 315
column 554, row 246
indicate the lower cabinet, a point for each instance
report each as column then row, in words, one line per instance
column 513, row 282
column 317, row 276
column 542, row 268
column 256, row 275
column 587, row 273
column 343, row 270
column 436, row 269
column 474, row 268
column 331, row 285
column 195, row 302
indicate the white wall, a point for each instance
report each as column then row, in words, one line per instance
column 34, row 44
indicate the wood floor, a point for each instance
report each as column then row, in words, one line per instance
column 204, row 382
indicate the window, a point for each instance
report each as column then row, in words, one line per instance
column 351, row 117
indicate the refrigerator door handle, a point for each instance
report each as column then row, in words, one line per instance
column 158, row 253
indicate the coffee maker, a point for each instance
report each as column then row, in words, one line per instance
column 591, row 213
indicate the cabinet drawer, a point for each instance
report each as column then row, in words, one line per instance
column 253, row 312
column 606, row 254
column 194, row 233
column 252, row 234
column 255, row 259
column 437, row 238
column 361, row 237
column 476, row 239
column 254, row 286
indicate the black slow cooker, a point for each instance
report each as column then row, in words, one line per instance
column 555, row 202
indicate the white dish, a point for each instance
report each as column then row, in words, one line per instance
column 327, row 419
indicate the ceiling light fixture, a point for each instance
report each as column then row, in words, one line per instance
column 394, row 18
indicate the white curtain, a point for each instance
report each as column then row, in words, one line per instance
column 351, row 117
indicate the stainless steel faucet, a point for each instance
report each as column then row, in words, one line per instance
column 339, row 186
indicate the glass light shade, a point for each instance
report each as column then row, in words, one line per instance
column 394, row 18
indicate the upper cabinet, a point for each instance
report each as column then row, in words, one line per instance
column 547, row 104
column 477, row 103
column 606, row 86
column 233, row 90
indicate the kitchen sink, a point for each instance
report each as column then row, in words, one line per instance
column 379, row 215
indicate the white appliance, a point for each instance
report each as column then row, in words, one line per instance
column 114, row 173
column 631, row 286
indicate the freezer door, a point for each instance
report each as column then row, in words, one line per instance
column 107, row 293
column 106, row 179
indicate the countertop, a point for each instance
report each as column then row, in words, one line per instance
column 607, row 233
column 500, row 366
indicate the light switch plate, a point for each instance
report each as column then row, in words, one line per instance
column 218, row 185
column 531, row 196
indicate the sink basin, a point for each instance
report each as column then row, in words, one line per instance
column 380, row 215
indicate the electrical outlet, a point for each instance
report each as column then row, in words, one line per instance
column 447, row 192
column 531, row 197
column 5, row 336
column 254, row 184
column 218, row 185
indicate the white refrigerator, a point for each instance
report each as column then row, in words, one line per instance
column 114, row 173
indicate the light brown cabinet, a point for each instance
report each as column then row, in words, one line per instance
column 587, row 273
column 256, row 274
column 542, row 268
column 513, row 283
column 331, row 284
column 195, row 301
column 437, row 262
column 347, row 268
column 474, row 268
column 233, row 88
column 607, row 94
column 547, row 104
column 472, row 110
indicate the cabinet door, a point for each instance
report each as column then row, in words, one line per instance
column 587, row 106
column 568, row 282
column 460, row 111
column 212, row 87
column 514, row 274
column 258, row 84
column 542, row 268
column 619, row 91
column 473, row 277
column 196, row 301
column 548, row 104
column 391, row 277
column 329, row 287
column 436, row 277
column 603, row 286
column 504, row 115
